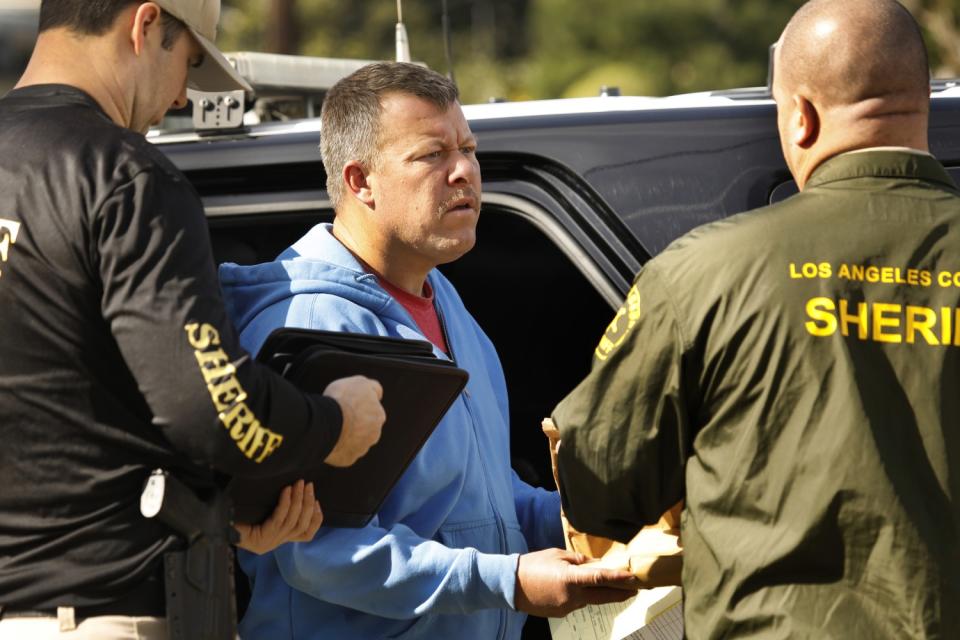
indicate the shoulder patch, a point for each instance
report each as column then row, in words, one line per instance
column 626, row 318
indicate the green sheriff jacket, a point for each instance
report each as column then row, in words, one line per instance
column 793, row 373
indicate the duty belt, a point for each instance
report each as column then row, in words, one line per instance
column 144, row 600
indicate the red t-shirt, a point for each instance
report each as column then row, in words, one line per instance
column 421, row 309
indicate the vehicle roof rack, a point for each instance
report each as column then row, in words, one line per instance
column 270, row 72
column 285, row 87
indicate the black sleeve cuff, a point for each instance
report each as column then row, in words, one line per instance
column 326, row 425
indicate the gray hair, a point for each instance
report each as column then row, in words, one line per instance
column 350, row 118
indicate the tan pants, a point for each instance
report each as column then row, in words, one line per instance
column 95, row 628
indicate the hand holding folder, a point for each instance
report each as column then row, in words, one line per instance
column 359, row 398
column 418, row 388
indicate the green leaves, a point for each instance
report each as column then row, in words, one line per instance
column 521, row 49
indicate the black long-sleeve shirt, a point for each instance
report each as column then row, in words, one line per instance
column 116, row 355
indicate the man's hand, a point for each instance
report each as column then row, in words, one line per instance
column 554, row 582
column 363, row 418
column 296, row 518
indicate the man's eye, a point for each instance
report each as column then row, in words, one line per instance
column 196, row 62
column 433, row 155
column 468, row 151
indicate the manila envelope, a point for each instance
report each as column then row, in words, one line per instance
column 654, row 555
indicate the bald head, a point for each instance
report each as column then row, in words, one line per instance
column 849, row 74
column 846, row 52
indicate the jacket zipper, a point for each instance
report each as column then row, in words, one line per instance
column 467, row 399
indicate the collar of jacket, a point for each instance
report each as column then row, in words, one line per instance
column 881, row 163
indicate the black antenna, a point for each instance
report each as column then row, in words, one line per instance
column 446, row 42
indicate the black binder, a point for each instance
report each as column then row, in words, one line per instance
column 418, row 388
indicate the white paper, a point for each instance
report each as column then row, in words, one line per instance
column 653, row 614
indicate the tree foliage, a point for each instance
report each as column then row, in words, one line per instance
column 651, row 47
column 938, row 19
column 487, row 38
column 521, row 49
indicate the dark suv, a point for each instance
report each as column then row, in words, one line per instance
column 578, row 194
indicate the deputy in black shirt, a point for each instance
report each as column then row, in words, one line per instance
column 116, row 355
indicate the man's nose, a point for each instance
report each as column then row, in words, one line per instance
column 466, row 169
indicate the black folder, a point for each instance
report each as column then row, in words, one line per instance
column 418, row 388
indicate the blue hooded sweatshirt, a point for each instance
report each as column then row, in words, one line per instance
column 439, row 559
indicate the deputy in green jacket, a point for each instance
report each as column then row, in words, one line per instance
column 793, row 373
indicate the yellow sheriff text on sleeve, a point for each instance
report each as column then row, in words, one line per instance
column 883, row 322
column 9, row 230
column 251, row 437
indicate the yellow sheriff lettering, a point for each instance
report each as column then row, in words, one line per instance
column 226, row 393
column 254, row 440
column 885, row 322
column 947, row 323
column 272, row 444
column 214, row 365
column 921, row 320
column 202, row 336
column 822, row 320
column 859, row 319
column 884, row 316
column 239, row 419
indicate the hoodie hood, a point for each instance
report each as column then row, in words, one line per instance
column 317, row 264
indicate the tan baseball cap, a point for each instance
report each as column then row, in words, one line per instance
column 201, row 17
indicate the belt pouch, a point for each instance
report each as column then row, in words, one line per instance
column 199, row 592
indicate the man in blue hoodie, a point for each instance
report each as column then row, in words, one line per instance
column 447, row 554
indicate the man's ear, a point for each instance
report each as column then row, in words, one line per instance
column 804, row 123
column 357, row 179
column 145, row 18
